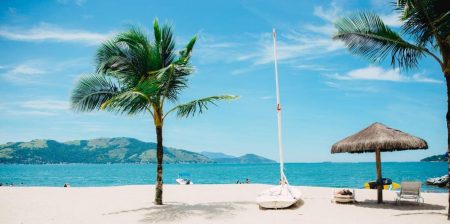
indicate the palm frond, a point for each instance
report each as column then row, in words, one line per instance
column 173, row 79
column 366, row 35
column 133, row 101
column 139, row 46
column 167, row 46
column 198, row 106
column 426, row 20
column 92, row 91
column 128, row 57
column 115, row 59
column 185, row 54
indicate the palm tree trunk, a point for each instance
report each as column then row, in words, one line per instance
column 447, row 79
column 159, row 169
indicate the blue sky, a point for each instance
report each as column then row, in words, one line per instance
column 326, row 93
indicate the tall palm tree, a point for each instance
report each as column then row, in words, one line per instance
column 425, row 32
column 135, row 75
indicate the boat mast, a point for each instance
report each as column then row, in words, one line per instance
column 280, row 143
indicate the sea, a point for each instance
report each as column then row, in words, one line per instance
column 327, row 174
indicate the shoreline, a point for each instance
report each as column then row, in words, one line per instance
column 205, row 203
column 208, row 184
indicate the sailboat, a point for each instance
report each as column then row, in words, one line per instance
column 283, row 195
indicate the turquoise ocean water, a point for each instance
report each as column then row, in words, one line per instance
column 352, row 175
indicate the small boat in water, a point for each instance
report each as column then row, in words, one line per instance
column 387, row 184
column 184, row 179
column 439, row 181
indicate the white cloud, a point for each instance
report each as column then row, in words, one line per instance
column 330, row 14
column 294, row 45
column 25, row 73
column 26, row 70
column 266, row 97
column 36, row 107
column 48, row 32
column 46, row 104
column 311, row 67
column 32, row 72
column 31, row 113
column 351, row 87
column 379, row 74
column 77, row 2
column 392, row 19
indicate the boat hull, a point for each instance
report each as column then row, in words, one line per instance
column 278, row 197
column 183, row 181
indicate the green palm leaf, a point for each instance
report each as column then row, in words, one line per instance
column 135, row 100
column 365, row 34
column 92, row 91
column 428, row 21
column 198, row 106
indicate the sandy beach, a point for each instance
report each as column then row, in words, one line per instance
column 204, row 204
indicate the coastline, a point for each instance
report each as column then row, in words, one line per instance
column 204, row 203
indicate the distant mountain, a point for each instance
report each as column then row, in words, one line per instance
column 216, row 155
column 102, row 150
column 436, row 158
column 247, row 158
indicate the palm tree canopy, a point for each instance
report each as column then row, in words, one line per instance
column 428, row 21
column 425, row 21
column 135, row 74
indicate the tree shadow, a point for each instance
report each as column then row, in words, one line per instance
column 402, row 206
column 174, row 212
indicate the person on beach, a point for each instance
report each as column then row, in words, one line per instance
column 247, row 181
column 66, row 185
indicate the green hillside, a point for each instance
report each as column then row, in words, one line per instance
column 102, row 150
column 436, row 158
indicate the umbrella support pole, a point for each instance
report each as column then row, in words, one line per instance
column 379, row 177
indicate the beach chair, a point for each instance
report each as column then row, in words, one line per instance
column 409, row 190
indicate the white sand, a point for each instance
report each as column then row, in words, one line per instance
column 204, row 204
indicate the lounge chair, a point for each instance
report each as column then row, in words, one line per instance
column 343, row 196
column 409, row 190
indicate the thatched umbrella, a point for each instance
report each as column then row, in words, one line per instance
column 378, row 138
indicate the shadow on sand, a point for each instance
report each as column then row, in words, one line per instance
column 423, row 208
column 174, row 212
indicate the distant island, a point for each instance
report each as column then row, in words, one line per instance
column 247, row 158
column 436, row 158
column 108, row 150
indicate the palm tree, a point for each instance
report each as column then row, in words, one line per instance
column 425, row 32
column 135, row 75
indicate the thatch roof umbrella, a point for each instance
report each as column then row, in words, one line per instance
column 378, row 138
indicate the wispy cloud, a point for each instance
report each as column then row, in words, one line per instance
column 293, row 45
column 266, row 97
column 77, row 2
column 392, row 19
column 30, row 113
column 379, row 74
column 311, row 67
column 25, row 73
column 349, row 87
column 213, row 49
column 36, row 107
column 48, row 32
column 45, row 104
column 33, row 71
